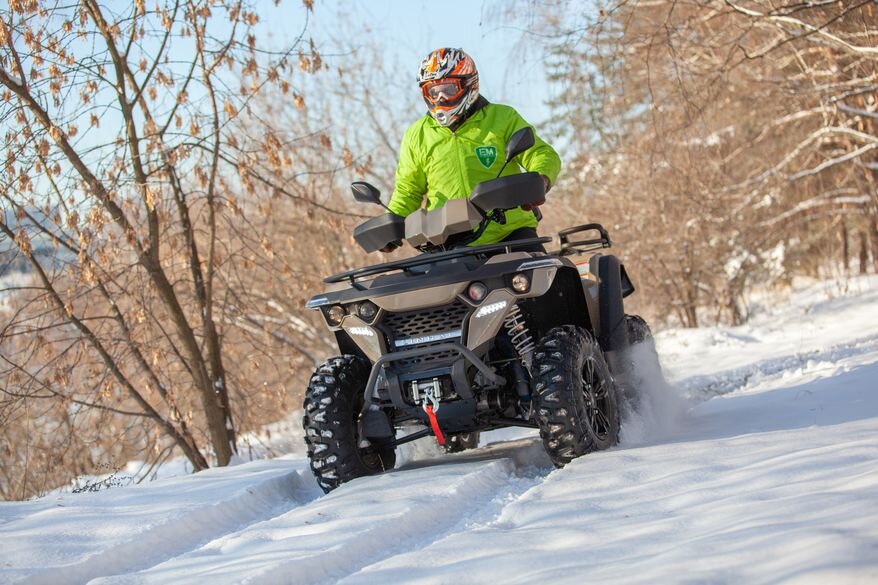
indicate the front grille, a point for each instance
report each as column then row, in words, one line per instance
column 425, row 322
column 432, row 358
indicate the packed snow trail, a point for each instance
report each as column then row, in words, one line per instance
column 91, row 535
column 347, row 529
column 758, row 465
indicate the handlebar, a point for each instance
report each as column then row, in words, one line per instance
column 458, row 240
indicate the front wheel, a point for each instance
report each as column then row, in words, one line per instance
column 575, row 396
column 333, row 402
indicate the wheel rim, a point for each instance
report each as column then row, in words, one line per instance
column 596, row 395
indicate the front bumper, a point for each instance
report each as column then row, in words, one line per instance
column 385, row 377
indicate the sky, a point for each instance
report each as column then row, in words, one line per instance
column 511, row 69
column 505, row 74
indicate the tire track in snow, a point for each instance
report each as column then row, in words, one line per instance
column 361, row 523
column 701, row 388
column 188, row 530
column 530, row 466
column 488, row 514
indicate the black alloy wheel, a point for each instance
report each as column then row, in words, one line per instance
column 575, row 397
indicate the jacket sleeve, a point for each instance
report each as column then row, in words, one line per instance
column 411, row 180
column 541, row 158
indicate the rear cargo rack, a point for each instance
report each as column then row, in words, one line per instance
column 582, row 246
column 407, row 264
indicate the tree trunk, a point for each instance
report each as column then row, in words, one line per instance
column 218, row 375
column 864, row 252
column 211, row 389
column 690, row 306
column 735, row 309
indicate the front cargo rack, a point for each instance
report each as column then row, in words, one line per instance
column 407, row 264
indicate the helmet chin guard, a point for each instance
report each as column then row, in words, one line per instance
column 440, row 68
column 447, row 116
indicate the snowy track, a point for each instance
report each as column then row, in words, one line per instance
column 706, row 387
column 366, row 522
column 760, row 466
column 104, row 536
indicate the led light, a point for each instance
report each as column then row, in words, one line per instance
column 477, row 291
column 367, row 311
column 520, row 283
column 364, row 331
column 316, row 302
column 335, row 314
column 492, row 308
column 542, row 263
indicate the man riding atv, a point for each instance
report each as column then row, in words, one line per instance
column 458, row 144
column 485, row 329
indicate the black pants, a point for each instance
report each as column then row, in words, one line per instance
column 525, row 233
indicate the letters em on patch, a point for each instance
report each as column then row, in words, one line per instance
column 487, row 155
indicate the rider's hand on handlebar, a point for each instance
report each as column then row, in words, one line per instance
column 391, row 247
column 538, row 202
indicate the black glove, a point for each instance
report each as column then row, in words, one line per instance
column 391, row 246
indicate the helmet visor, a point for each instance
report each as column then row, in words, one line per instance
column 442, row 90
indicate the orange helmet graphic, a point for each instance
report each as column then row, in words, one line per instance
column 450, row 84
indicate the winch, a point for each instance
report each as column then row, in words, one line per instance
column 427, row 393
column 432, row 390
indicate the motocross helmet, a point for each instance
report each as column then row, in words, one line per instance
column 449, row 83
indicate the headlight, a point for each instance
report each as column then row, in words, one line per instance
column 520, row 283
column 335, row 314
column 477, row 292
column 367, row 311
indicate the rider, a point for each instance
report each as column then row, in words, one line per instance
column 460, row 143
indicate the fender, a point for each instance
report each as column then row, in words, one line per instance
column 613, row 333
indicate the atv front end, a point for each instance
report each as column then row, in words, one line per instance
column 431, row 336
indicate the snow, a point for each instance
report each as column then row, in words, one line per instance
column 9, row 282
column 758, row 463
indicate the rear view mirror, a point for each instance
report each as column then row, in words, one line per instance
column 519, row 142
column 366, row 193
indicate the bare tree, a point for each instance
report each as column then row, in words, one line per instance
column 121, row 189
column 306, row 216
column 730, row 142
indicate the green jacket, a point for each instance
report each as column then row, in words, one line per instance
column 443, row 165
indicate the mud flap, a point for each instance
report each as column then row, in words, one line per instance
column 613, row 336
column 627, row 285
column 375, row 426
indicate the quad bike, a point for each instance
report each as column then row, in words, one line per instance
column 463, row 339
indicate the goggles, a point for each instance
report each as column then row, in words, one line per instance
column 442, row 90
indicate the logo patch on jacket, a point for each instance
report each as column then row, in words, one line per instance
column 487, row 155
